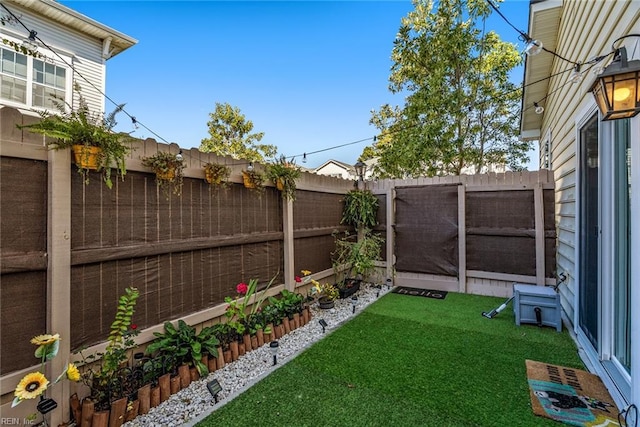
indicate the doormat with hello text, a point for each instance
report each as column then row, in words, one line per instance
column 403, row 290
column 570, row 396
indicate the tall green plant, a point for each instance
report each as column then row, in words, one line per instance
column 360, row 209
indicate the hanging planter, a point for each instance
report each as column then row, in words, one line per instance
column 87, row 156
column 216, row 174
column 253, row 180
column 284, row 174
column 169, row 171
column 91, row 137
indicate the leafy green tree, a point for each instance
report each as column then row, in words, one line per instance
column 460, row 110
column 230, row 135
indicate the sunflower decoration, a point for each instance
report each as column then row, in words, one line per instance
column 34, row 384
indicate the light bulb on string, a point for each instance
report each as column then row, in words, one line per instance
column 533, row 48
column 539, row 108
column 304, row 158
column 576, row 75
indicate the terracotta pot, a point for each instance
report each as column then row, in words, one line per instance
column 86, row 157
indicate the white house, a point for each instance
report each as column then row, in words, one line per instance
column 71, row 48
column 343, row 170
column 598, row 247
column 65, row 47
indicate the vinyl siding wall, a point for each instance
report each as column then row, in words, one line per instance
column 587, row 29
column 85, row 52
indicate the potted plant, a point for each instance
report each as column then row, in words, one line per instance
column 106, row 378
column 354, row 260
column 89, row 135
column 253, row 180
column 216, row 173
column 183, row 343
column 325, row 293
column 168, row 168
column 284, row 174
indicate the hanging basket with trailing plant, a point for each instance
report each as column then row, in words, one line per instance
column 216, row 174
column 360, row 209
column 253, row 180
column 284, row 174
column 168, row 168
column 89, row 135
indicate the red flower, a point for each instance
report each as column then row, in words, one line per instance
column 242, row 288
column 134, row 326
column 298, row 279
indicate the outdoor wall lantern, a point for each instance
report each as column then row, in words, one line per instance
column 273, row 347
column 354, row 303
column 359, row 167
column 616, row 89
column 322, row 323
column 214, row 388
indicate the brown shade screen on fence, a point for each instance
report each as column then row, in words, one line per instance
column 315, row 217
column 184, row 253
column 381, row 229
column 317, row 210
column 501, row 232
column 23, row 262
column 427, row 229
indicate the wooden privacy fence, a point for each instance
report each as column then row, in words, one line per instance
column 68, row 250
column 473, row 233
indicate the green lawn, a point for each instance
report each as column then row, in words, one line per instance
column 409, row 361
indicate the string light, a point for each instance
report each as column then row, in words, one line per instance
column 533, row 48
column 576, row 75
column 539, row 109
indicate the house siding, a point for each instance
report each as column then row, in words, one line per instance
column 85, row 53
column 587, row 29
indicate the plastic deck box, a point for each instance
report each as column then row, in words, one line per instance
column 529, row 300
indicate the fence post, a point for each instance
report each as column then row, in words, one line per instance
column 59, row 272
column 538, row 200
column 391, row 220
column 288, row 245
column 462, row 239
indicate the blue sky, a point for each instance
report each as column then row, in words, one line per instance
column 306, row 73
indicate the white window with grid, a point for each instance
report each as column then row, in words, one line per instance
column 29, row 82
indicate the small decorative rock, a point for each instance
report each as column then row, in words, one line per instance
column 194, row 402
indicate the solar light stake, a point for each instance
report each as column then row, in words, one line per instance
column 354, row 302
column 273, row 346
column 323, row 323
column 214, row 388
